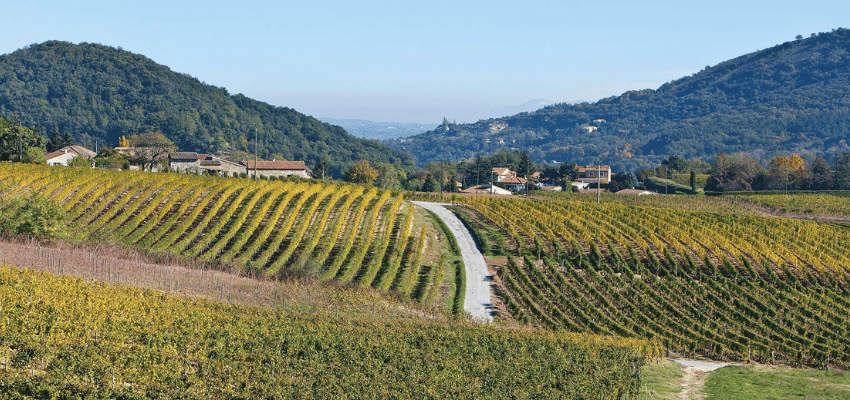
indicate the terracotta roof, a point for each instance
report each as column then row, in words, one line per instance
column 276, row 165
column 502, row 171
column 514, row 180
column 585, row 168
column 552, row 188
column 74, row 149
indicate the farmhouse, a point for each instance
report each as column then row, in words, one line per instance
column 184, row 161
column 219, row 166
column 486, row 189
column 65, row 154
column 514, row 183
column 594, row 173
column 502, row 173
column 276, row 168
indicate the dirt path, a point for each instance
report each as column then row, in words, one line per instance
column 477, row 301
column 694, row 375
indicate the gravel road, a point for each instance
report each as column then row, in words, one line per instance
column 477, row 299
column 701, row 365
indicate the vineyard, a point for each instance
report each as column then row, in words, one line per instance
column 274, row 228
column 62, row 337
column 812, row 204
column 717, row 284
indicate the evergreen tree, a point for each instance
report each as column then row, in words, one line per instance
column 430, row 184
column 55, row 142
column 842, row 171
column 821, row 174
column 693, row 181
column 525, row 164
column 67, row 139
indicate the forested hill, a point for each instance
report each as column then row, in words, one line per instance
column 100, row 93
column 794, row 97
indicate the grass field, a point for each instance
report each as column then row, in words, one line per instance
column 771, row 382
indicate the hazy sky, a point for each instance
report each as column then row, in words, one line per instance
column 393, row 61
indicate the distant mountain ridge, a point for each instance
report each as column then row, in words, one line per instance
column 794, row 97
column 99, row 93
column 379, row 130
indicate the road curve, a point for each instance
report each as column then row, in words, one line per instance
column 476, row 300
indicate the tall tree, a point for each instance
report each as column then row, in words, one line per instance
column 55, row 142
column 569, row 171
column 821, row 174
column 16, row 141
column 787, row 172
column 361, row 172
column 525, row 164
column 676, row 163
column 323, row 165
column 430, row 184
column 67, row 139
column 693, row 181
column 842, row 171
column 150, row 146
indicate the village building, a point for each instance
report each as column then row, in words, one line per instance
column 594, row 173
column 502, row 173
column 219, row 166
column 514, row 183
column 276, row 168
column 581, row 185
column 65, row 154
column 185, row 162
column 486, row 189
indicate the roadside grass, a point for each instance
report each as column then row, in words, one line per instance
column 661, row 380
column 776, row 382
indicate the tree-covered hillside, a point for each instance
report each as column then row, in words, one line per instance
column 101, row 93
column 794, row 97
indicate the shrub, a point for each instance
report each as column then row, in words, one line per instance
column 34, row 216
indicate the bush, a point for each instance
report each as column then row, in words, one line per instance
column 34, row 216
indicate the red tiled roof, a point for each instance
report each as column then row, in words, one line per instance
column 514, row 180
column 585, row 168
column 276, row 165
column 73, row 149
column 502, row 171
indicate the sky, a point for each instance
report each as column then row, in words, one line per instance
column 390, row 61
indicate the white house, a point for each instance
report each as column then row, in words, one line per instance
column 276, row 168
column 65, row 154
column 502, row 173
column 185, row 161
column 486, row 189
column 514, row 183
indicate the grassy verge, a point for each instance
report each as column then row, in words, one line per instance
column 661, row 380
column 776, row 382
